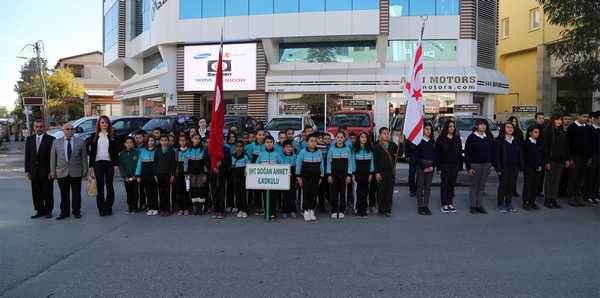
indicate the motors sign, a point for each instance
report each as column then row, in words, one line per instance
column 239, row 67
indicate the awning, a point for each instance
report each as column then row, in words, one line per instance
column 389, row 79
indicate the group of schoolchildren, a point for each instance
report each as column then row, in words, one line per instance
column 167, row 173
column 558, row 155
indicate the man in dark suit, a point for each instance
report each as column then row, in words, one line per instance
column 37, row 169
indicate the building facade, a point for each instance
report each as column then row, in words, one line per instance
column 99, row 83
column 523, row 57
column 298, row 56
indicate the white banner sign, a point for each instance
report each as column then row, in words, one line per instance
column 268, row 177
column 239, row 67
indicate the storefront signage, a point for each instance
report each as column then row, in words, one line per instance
column 236, row 109
column 267, row 177
column 467, row 108
column 295, row 108
column 524, row 109
column 356, row 103
column 239, row 67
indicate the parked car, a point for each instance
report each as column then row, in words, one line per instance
column 169, row 124
column 352, row 121
column 283, row 122
column 84, row 127
column 244, row 123
column 466, row 124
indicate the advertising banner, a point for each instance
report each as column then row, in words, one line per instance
column 239, row 67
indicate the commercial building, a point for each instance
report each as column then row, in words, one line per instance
column 536, row 82
column 296, row 56
column 99, row 83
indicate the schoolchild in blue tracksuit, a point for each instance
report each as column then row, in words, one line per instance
column 271, row 157
column 288, row 198
column 279, row 144
column 309, row 171
column 239, row 160
column 229, row 187
column 323, row 144
column 253, row 150
column 139, row 146
column 364, row 169
column 340, row 167
column 197, row 168
column 145, row 175
column 183, row 202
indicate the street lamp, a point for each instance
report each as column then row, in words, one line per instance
column 38, row 47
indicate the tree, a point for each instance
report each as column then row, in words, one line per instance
column 579, row 46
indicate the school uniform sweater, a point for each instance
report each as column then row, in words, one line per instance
column 425, row 152
column 269, row 157
column 197, row 160
column 383, row 164
column 128, row 160
column 145, row 165
column 507, row 154
column 478, row 150
column 253, row 150
column 363, row 162
column 310, row 163
column 165, row 162
column 339, row 161
column 533, row 154
column 555, row 144
column 448, row 151
column 579, row 137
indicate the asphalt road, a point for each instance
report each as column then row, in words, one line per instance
column 548, row 253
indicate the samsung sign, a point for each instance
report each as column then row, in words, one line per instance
column 239, row 67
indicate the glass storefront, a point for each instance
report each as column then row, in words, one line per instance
column 318, row 52
column 423, row 7
column 154, row 106
column 433, row 50
column 130, row 107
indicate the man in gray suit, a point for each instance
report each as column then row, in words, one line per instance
column 68, row 164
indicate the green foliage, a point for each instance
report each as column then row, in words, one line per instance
column 579, row 47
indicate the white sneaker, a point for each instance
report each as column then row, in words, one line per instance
column 244, row 214
column 341, row 215
column 312, row 215
column 306, row 216
column 155, row 212
column 149, row 213
column 334, row 215
column 234, row 210
column 239, row 214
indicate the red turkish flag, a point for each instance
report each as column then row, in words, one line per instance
column 215, row 145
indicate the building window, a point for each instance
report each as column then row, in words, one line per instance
column 365, row 4
column 341, row 52
column 433, row 50
column 261, row 7
column 190, row 9
column 76, row 69
column 153, row 62
column 333, row 5
column 146, row 14
column 111, row 27
column 286, row 6
column 534, row 19
column 236, row 7
column 504, row 28
column 213, row 8
column 424, row 7
column 312, row 5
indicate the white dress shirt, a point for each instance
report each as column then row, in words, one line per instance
column 102, row 149
column 38, row 141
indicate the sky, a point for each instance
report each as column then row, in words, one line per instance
column 67, row 27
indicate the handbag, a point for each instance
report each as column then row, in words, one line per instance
column 92, row 188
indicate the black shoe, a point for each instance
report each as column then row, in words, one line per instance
column 534, row 206
column 413, row 194
column 540, row 195
column 388, row 214
column 473, row 210
column 421, row 211
column 526, row 207
column 77, row 215
column 109, row 212
column 62, row 216
column 515, row 194
column 48, row 215
column 37, row 215
column 581, row 203
column 556, row 205
column 548, row 205
column 572, row 203
column 481, row 210
column 427, row 211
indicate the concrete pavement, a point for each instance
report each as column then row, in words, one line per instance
column 548, row 253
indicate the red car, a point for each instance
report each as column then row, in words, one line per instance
column 355, row 121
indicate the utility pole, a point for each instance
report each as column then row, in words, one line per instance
column 38, row 48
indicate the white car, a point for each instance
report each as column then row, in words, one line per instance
column 283, row 122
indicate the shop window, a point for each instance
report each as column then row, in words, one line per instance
column 342, row 52
column 286, row 6
column 236, row 7
column 433, row 50
column 261, row 7
column 213, row 8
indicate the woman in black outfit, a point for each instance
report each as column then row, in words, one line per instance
column 533, row 165
column 448, row 160
column 103, row 161
column 518, row 135
column 507, row 162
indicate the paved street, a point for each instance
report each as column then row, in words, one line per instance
column 548, row 253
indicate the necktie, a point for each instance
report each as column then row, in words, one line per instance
column 69, row 150
column 38, row 140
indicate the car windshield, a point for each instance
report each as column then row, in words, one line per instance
column 163, row 123
column 284, row 124
column 350, row 120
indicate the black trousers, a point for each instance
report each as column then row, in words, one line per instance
column 563, row 189
column 104, row 172
column 288, row 198
column 337, row 194
column 149, row 185
column 42, row 192
column 142, row 203
column 323, row 194
column 449, row 173
column 577, row 177
column 362, row 193
column 385, row 193
column 310, row 188
column 373, row 193
column 164, row 192
column 350, row 194
column 238, row 185
column 423, row 187
column 131, row 189
column 230, row 189
column 508, row 184
column 531, row 180
column 182, row 197
column 217, row 187
column 593, row 179
column 274, row 198
column 70, row 195
column 412, row 175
